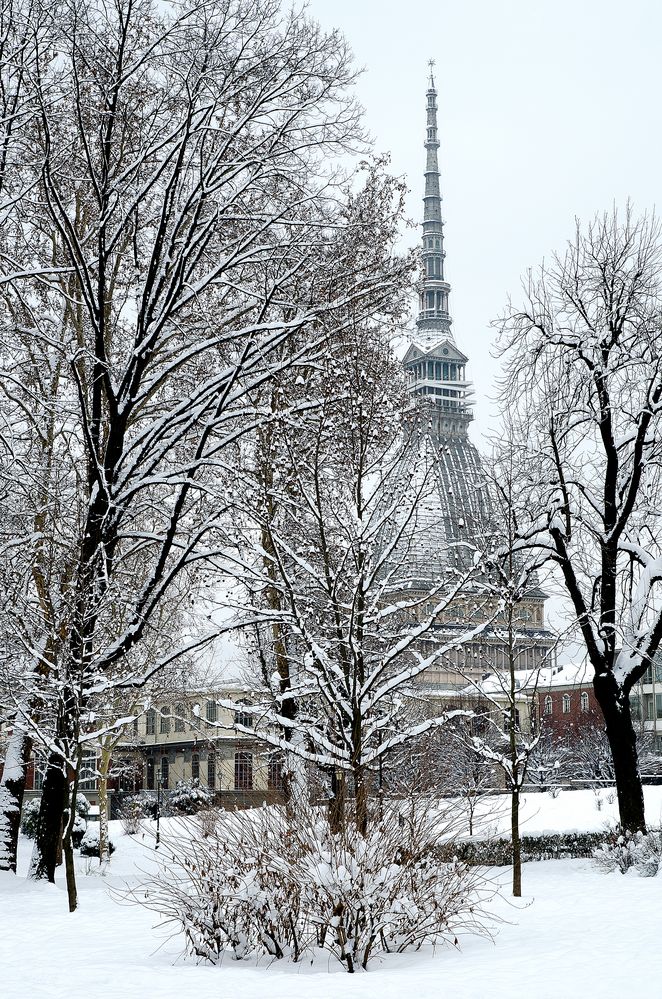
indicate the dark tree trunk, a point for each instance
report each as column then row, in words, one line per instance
column 67, row 844
column 623, row 743
column 12, row 788
column 47, row 847
column 517, row 843
column 337, row 803
column 360, row 801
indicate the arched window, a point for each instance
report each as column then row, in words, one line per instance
column 548, row 705
column 180, row 714
column 211, row 711
column 150, row 773
column 150, row 722
column 566, row 704
column 584, row 701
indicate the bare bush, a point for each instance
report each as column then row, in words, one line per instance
column 132, row 814
column 207, row 820
column 623, row 851
column 262, row 883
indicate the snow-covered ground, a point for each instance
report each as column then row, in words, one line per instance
column 577, row 932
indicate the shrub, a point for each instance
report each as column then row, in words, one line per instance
column 29, row 817
column 131, row 814
column 498, row 852
column 622, row 851
column 89, row 846
column 190, row 797
column 78, row 831
column 207, row 820
column 268, row 884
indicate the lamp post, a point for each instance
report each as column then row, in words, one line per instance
column 158, row 813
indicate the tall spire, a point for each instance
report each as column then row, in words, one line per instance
column 435, row 366
column 434, row 321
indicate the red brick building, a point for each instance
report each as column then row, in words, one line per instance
column 566, row 701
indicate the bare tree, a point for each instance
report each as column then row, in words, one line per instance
column 510, row 580
column 341, row 519
column 583, row 385
column 174, row 255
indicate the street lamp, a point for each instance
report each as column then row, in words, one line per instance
column 158, row 812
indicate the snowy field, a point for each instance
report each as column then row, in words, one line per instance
column 577, row 932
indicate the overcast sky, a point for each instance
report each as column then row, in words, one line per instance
column 548, row 110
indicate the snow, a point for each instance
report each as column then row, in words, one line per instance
column 559, row 812
column 566, row 675
column 576, row 932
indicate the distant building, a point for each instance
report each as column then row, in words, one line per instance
column 457, row 509
column 567, row 702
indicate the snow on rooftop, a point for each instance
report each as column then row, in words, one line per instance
column 568, row 675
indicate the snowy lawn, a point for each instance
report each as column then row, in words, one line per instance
column 577, row 932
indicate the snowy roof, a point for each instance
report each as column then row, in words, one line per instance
column 568, row 675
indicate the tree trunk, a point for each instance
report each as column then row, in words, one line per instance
column 104, row 766
column 623, row 743
column 49, row 825
column 67, row 844
column 517, row 843
column 337, row 803
column 12, row 787
column 360, row 801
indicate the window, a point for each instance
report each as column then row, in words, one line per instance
column 211, row 768
column 566, row 704
column 243, row 772
column 150, row 773
column 39, row 772
column 165, row 771
column 88, row 772
column 211, row 711
column 242, row 717
column 650, row 707
column 180, row 714
column 164, row 726
column 584, row 701
column 275, row 776
column 548, row 705
column 658, row 705
column 195, row 766
column 150, row 722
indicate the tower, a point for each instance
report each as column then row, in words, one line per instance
column 435, row 366
column 435, row 369
column 454, row 518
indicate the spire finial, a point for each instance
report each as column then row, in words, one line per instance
column 431, row 64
